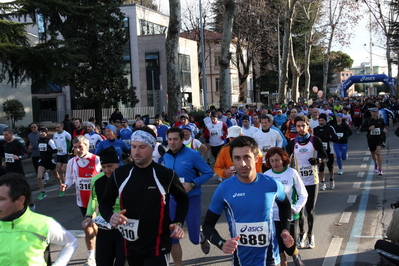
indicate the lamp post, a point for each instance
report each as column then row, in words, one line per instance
column 203, row 65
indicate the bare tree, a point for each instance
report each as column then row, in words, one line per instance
column 172, row 58
column 340, row 15
column 288, row 17
column 384, row 16
column 225, row 55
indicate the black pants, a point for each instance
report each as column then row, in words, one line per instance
column 388, row 251
column 215, row 150
column 310, row 205
column 110, row 248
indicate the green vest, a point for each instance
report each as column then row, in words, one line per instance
column 24, row 240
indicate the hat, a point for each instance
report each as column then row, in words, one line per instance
column 108, row 155
column 117, row 121
column 245, row 117
column 213, row 114
column 323, row 116
column 124, row 120
column 154, row 128
column 157, row 116
column 43, row 129
column 186, row 128
column 234, row 132
column 279, row 111
column 340, row 115
column 184, row 116
column 112, row 128
column 373, row 109
column 90, row 124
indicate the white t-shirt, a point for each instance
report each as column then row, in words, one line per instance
column 250, row 132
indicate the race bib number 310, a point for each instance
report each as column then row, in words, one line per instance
column 253, row 234
column 130, row 229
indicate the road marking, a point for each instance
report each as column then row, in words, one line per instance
column 357, row 184
column 350, row 253
column 366, row 158
column 352, row 199
column 332, row 252
column 345, row 217
column 363, row 165
column 360, row 174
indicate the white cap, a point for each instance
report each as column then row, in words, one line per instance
column 234, row 132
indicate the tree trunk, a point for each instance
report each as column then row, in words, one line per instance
column 172, row 58
column 224, row 70
column 327, row 63
column 98, row 114
column 290, row 7
column 296, row 74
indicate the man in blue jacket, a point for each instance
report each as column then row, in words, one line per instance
column 193, row 172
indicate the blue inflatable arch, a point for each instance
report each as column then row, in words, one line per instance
column 365, row 79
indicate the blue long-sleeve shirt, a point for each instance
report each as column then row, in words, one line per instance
column 188, row 164
column 119, row 145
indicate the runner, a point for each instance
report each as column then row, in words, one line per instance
column 109, row 241
column 192, row 143
column 248, row 198
column 31, row 144
column 80, row 170
column 62, row 140
column 78, row 130
column 343, row 132
column 25, row 236
column 216, row 131
column 144, row 189
column 376, row 129
column 187, row 164
column 327, row 135
column 308, row 152
column 94, row 138
column 125, row 131
column 46, row 162
column 277, row 160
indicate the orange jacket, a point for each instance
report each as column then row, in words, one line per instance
column 224, row 162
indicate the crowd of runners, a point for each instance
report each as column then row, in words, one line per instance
column 137, row 186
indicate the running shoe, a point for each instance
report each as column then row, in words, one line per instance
column 32, row 207
column 340, row 172
column 62, row 194
column 220, row 180
column 300, row 243
column 376, row 168
column 46, row 176
column 90, row 262
column 380, row 172
column 358, row 132
column 311, row 243
column 41, row 196
column 332, row 184
column 298, row 261
column 323, row 186
column 205, row 245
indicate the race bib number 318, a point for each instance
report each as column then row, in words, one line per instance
column 253, row 234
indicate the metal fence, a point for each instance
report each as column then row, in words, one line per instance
column 85, row 114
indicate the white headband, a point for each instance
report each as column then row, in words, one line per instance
column 144, row 137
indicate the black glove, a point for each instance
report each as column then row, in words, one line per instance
column 314, row 161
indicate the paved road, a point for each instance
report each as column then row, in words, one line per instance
column 349, row 219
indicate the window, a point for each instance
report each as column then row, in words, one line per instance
column 41, row 28
column 217, row 60
column 217, row 82
column 152, row 75
column 149, row 28
column 234, row 85
column 185, row 72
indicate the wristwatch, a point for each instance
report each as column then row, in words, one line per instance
column 220, row 244
column 193, row 185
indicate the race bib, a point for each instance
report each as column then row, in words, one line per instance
column 356, row 113
column 127, row 141
column 305, row 171
column 9, row 157
column 253, row 234
column 340, row 135
column 60, row 150
column 130, row 229
column 92, row 146
column 375, row 131
column 101, row 223
column 42, row 146
column 325, row 145
column 84, row 183
column 214, row 133
column 159, row 139
column 265, row 148
column 182, row 180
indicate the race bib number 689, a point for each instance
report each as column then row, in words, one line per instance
column 253, row 234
